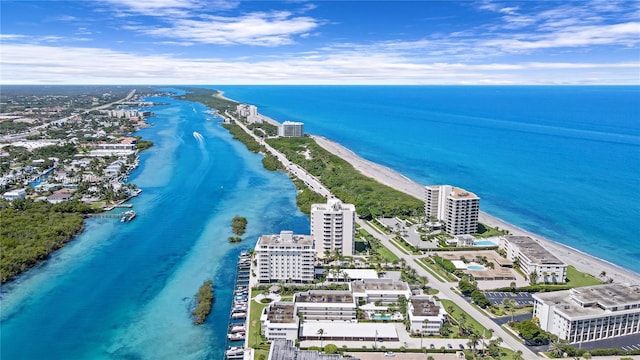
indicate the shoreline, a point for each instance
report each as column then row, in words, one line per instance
column 582, row 261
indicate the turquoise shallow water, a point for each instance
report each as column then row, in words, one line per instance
column 123, row 291
column 562, row 161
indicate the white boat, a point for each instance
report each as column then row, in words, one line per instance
column 234, row 350
column 237, row 328
column 236, row 336
column 240, row 315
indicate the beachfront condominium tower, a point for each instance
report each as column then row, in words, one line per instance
column 333, row 227
column 456, row 207
column 291, row 129
column 286, row 257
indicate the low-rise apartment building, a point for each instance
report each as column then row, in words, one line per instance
column 426, row 315
column 385, row 291
column 326, row 305
column 590, row 313
column 279, row 321
column 534, row 259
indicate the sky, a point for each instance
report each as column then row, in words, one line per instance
column 217, row 42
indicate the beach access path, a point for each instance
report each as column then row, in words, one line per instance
column 580, row 260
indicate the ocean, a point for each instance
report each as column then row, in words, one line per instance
column 559, row 161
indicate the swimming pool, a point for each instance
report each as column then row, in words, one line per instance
column 381, row 317
column 484, row 243
column 476, row 267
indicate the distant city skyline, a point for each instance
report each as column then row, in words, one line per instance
column 320, row 42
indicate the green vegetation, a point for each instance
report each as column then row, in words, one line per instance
column 30, row 231
column 577, row 278
column 530, row 332
column 143, row 145
column 244, row 138
column 470, row 289
column 463, row 318
column 204, row 301
column 234, row 239
column 256, row 340
column 423, row 263
column 239, row 225
column 376, row 247
column 263, row 129
column 209, row 98
column 271, row 163
column 371, row 198
column 485, row 231
column 306, row 197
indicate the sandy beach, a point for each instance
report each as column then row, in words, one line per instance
column 580, row 260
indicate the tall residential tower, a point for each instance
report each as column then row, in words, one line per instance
column 333, row 227
column 457, row 207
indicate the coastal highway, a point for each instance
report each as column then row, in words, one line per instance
column 444, row 288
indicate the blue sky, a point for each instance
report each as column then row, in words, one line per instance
column 319, row 42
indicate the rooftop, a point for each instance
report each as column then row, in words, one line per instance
column 325, row 296
column 458, row 193
column 533, row 250
column 593, row 300
column 378, row 284
column 424, row 306
column 285, row 350
column 286, row 238
column 281, row 313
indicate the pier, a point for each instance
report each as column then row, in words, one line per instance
column 237, row 330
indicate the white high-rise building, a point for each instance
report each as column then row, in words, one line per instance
column 457, row 207
column 285, row 257
column 333, row 227
column 250, row 112
column 291, row 129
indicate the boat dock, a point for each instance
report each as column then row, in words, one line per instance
column 237, row 330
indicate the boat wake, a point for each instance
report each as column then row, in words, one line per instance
column 198, row 137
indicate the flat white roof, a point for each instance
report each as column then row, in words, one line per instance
column 363, row 330
column 459, row 264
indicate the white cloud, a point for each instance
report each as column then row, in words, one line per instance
column 625, row 34
column 164, row 8
column 258, row 29
column 76, row 65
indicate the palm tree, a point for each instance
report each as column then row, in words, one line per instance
column 557, row 348
column 321, row 333
column 474, row 338
column 509, row 304
column 517, row 355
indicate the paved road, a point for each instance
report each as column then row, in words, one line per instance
column 443, row 287
column 447, row 293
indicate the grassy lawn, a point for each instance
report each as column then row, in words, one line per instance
column 485, row 231
column 387, row 254
column 433, row 268
column 399, row 247
column 578, row 279
column 255, row 337
column 423, row 265
column 457, row 312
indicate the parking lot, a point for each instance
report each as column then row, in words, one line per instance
column 521, row 298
